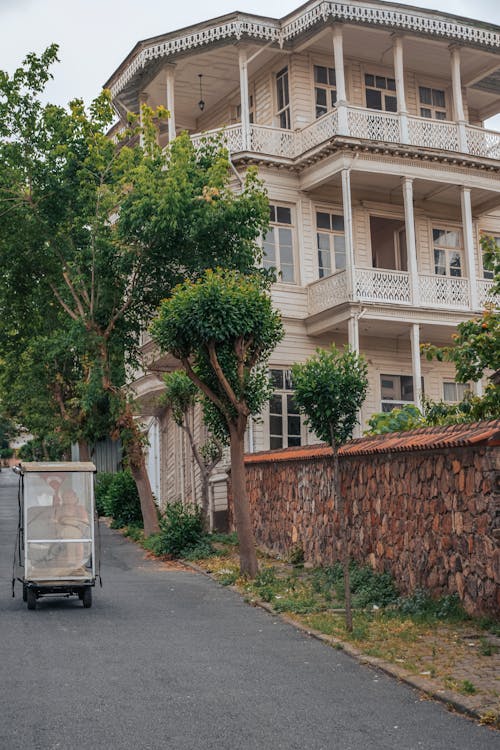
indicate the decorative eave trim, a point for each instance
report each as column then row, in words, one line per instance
column 285, row 30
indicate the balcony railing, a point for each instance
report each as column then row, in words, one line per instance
column 394, row 288
column 365, row 124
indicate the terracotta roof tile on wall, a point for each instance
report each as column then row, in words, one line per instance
column 425, row 438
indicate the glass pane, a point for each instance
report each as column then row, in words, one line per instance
column 438, row 98
column 293, row 440
column 321, row 97
column 320, row 111
column 279, row 89
column 283, row 215
column 285, row 237
column 272, row 213
column 331, row 77
column 324, row 263
column 425, row 95
column 369, row 79
column 285, row 120
column 391, row 84
column 61, row 559
column 373, row 99
column 440, row 115
column 287, row 273
column 269, row 248
column 453, row 239
column 333, row 97
column 339, row 244
column 323, row 241
column 337, row 223
column 455, row 264
column 276, row 377
column 293, row 426
column 406, row 388
column 439, row 262
column 286, row 255
column 320, row 74
column 380, row 82
column 275, row 404
column 275, row 442
column 425, row 112
column 439, row 236
column 449, row 392
column 391, row 104
column 291, row 406
column 287, row 375
column 322, row 220
column 275, row 425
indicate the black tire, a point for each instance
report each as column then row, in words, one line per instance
column 25, row 593
column 31, row 598
column 80, row 594
column 87, row 597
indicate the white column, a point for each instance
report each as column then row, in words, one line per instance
column 348, row 233
column 338, row 61
column 415, row 360
column 470, row 260
column 397, row 49
column 478, row 388
column 411, row 244
column 170, row 82
column 245, row 111
column 353, row 333
column 458, row 104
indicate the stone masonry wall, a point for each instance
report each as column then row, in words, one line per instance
column 428, row 517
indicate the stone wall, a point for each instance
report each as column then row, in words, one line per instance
column 429, row 517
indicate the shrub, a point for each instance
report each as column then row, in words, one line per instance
column 421, row 606
column 181, row 529
column 102, row 484
column 118, row 498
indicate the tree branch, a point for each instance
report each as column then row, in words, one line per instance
column 203, row 388
column 63, row 304
column 75, row 296
column 240, row 408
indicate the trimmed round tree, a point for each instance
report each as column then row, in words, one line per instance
column 330, row 388
column 223, row 329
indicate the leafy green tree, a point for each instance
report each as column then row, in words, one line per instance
column 409, row 417
column 223, row 329
column 93, row 234
column 181, row 396
column 330, row 388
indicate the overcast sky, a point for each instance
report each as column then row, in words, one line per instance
column 94, row 36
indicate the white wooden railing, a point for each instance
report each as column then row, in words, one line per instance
column 365, row 124
column 394, row 288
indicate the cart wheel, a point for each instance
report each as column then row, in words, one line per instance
column 87, row 597
column 31, row 598
column 25, row 593
column 80, row 594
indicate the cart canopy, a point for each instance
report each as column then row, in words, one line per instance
column 57, row 466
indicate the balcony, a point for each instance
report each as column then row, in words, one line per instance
column 365, row 124
column 393, row 288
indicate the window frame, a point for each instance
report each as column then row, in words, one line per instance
column 332, row 233
column 492, row 234
column 397, row 403
column 284, row 393
column 326, row 86
column 433, row 86
column 379, row 73
column 465, row 386
column 286, row 110
column 274, row 227
column 447, row 227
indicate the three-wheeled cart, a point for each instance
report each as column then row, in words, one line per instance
column 55, row 550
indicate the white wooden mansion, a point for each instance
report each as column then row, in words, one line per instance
column 366, row 121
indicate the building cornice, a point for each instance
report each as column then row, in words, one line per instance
column 283, row 32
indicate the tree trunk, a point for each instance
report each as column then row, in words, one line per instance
column 205, row 490
column 343, row 539
column 83, row 450
column 248, row 557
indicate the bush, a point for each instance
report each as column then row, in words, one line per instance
column 117, row 496
column 421, row 606
column 181, row 529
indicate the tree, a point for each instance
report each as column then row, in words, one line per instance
column 330, row 388
column 223, row 329
column 476, row 346
column 181, row 396
column 94, row 233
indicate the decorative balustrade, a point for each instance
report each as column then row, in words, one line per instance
column 422, row 131
column 373, row 125
column 367, row 124
column 328, row 292
column 444, row 291
column 484, row 293
column 381, row 285
column 272, row 141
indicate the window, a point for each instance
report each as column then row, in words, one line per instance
column 331, row 242
column 283, row 99
column 396, row 391
column 325, row 92
column 278, row 243
column 487, row 272
column 448, row 251
column 432, row 103
column 284, row 418
column 381, row 93
column 454, row 392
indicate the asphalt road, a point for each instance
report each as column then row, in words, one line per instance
column 169, row 660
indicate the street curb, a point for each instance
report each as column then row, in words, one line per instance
column 452, row 701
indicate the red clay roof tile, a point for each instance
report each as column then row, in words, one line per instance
column 425, row 438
